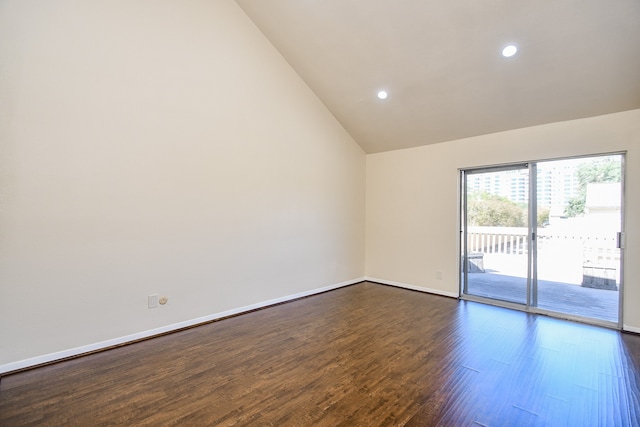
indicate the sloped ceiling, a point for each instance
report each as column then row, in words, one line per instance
column 441, row 62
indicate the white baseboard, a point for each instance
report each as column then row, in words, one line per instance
column 59, row 355
column 414, row 287
column 631, row 329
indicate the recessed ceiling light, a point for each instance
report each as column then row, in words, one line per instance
column 383, row 94
column 509, row 50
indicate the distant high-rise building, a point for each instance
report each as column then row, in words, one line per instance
column 557, row 183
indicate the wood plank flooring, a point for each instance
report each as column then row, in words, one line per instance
column 364, row 355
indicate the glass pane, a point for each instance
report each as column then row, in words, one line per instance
column 579, row 216
column 497, row 234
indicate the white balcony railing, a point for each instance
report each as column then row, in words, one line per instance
column 597, row 248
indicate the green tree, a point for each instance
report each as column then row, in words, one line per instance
column 543, row 216
column 575, row 205
column 602, row 169
column 489, row 210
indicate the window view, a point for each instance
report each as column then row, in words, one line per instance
column 497, row 234
column 555, row 249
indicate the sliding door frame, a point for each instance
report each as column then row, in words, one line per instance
column 532, row 267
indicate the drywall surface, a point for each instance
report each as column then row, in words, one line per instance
column 160, row 147
column 412, row 197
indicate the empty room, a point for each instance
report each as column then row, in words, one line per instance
column 319, row 213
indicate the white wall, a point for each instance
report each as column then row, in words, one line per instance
column 412, row 203
column 159, row 147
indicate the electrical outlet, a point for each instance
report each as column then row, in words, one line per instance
column 152, row 301
column 439, row 275
column 164, row 300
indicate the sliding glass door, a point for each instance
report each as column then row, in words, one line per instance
column 578, row 254
column 545, row 236
column 497, row 236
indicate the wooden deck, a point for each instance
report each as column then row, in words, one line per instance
column 363, row 355
column 506, row 281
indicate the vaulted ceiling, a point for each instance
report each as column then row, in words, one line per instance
column 441, row 63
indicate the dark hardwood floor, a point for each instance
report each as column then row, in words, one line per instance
column 364, row 355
